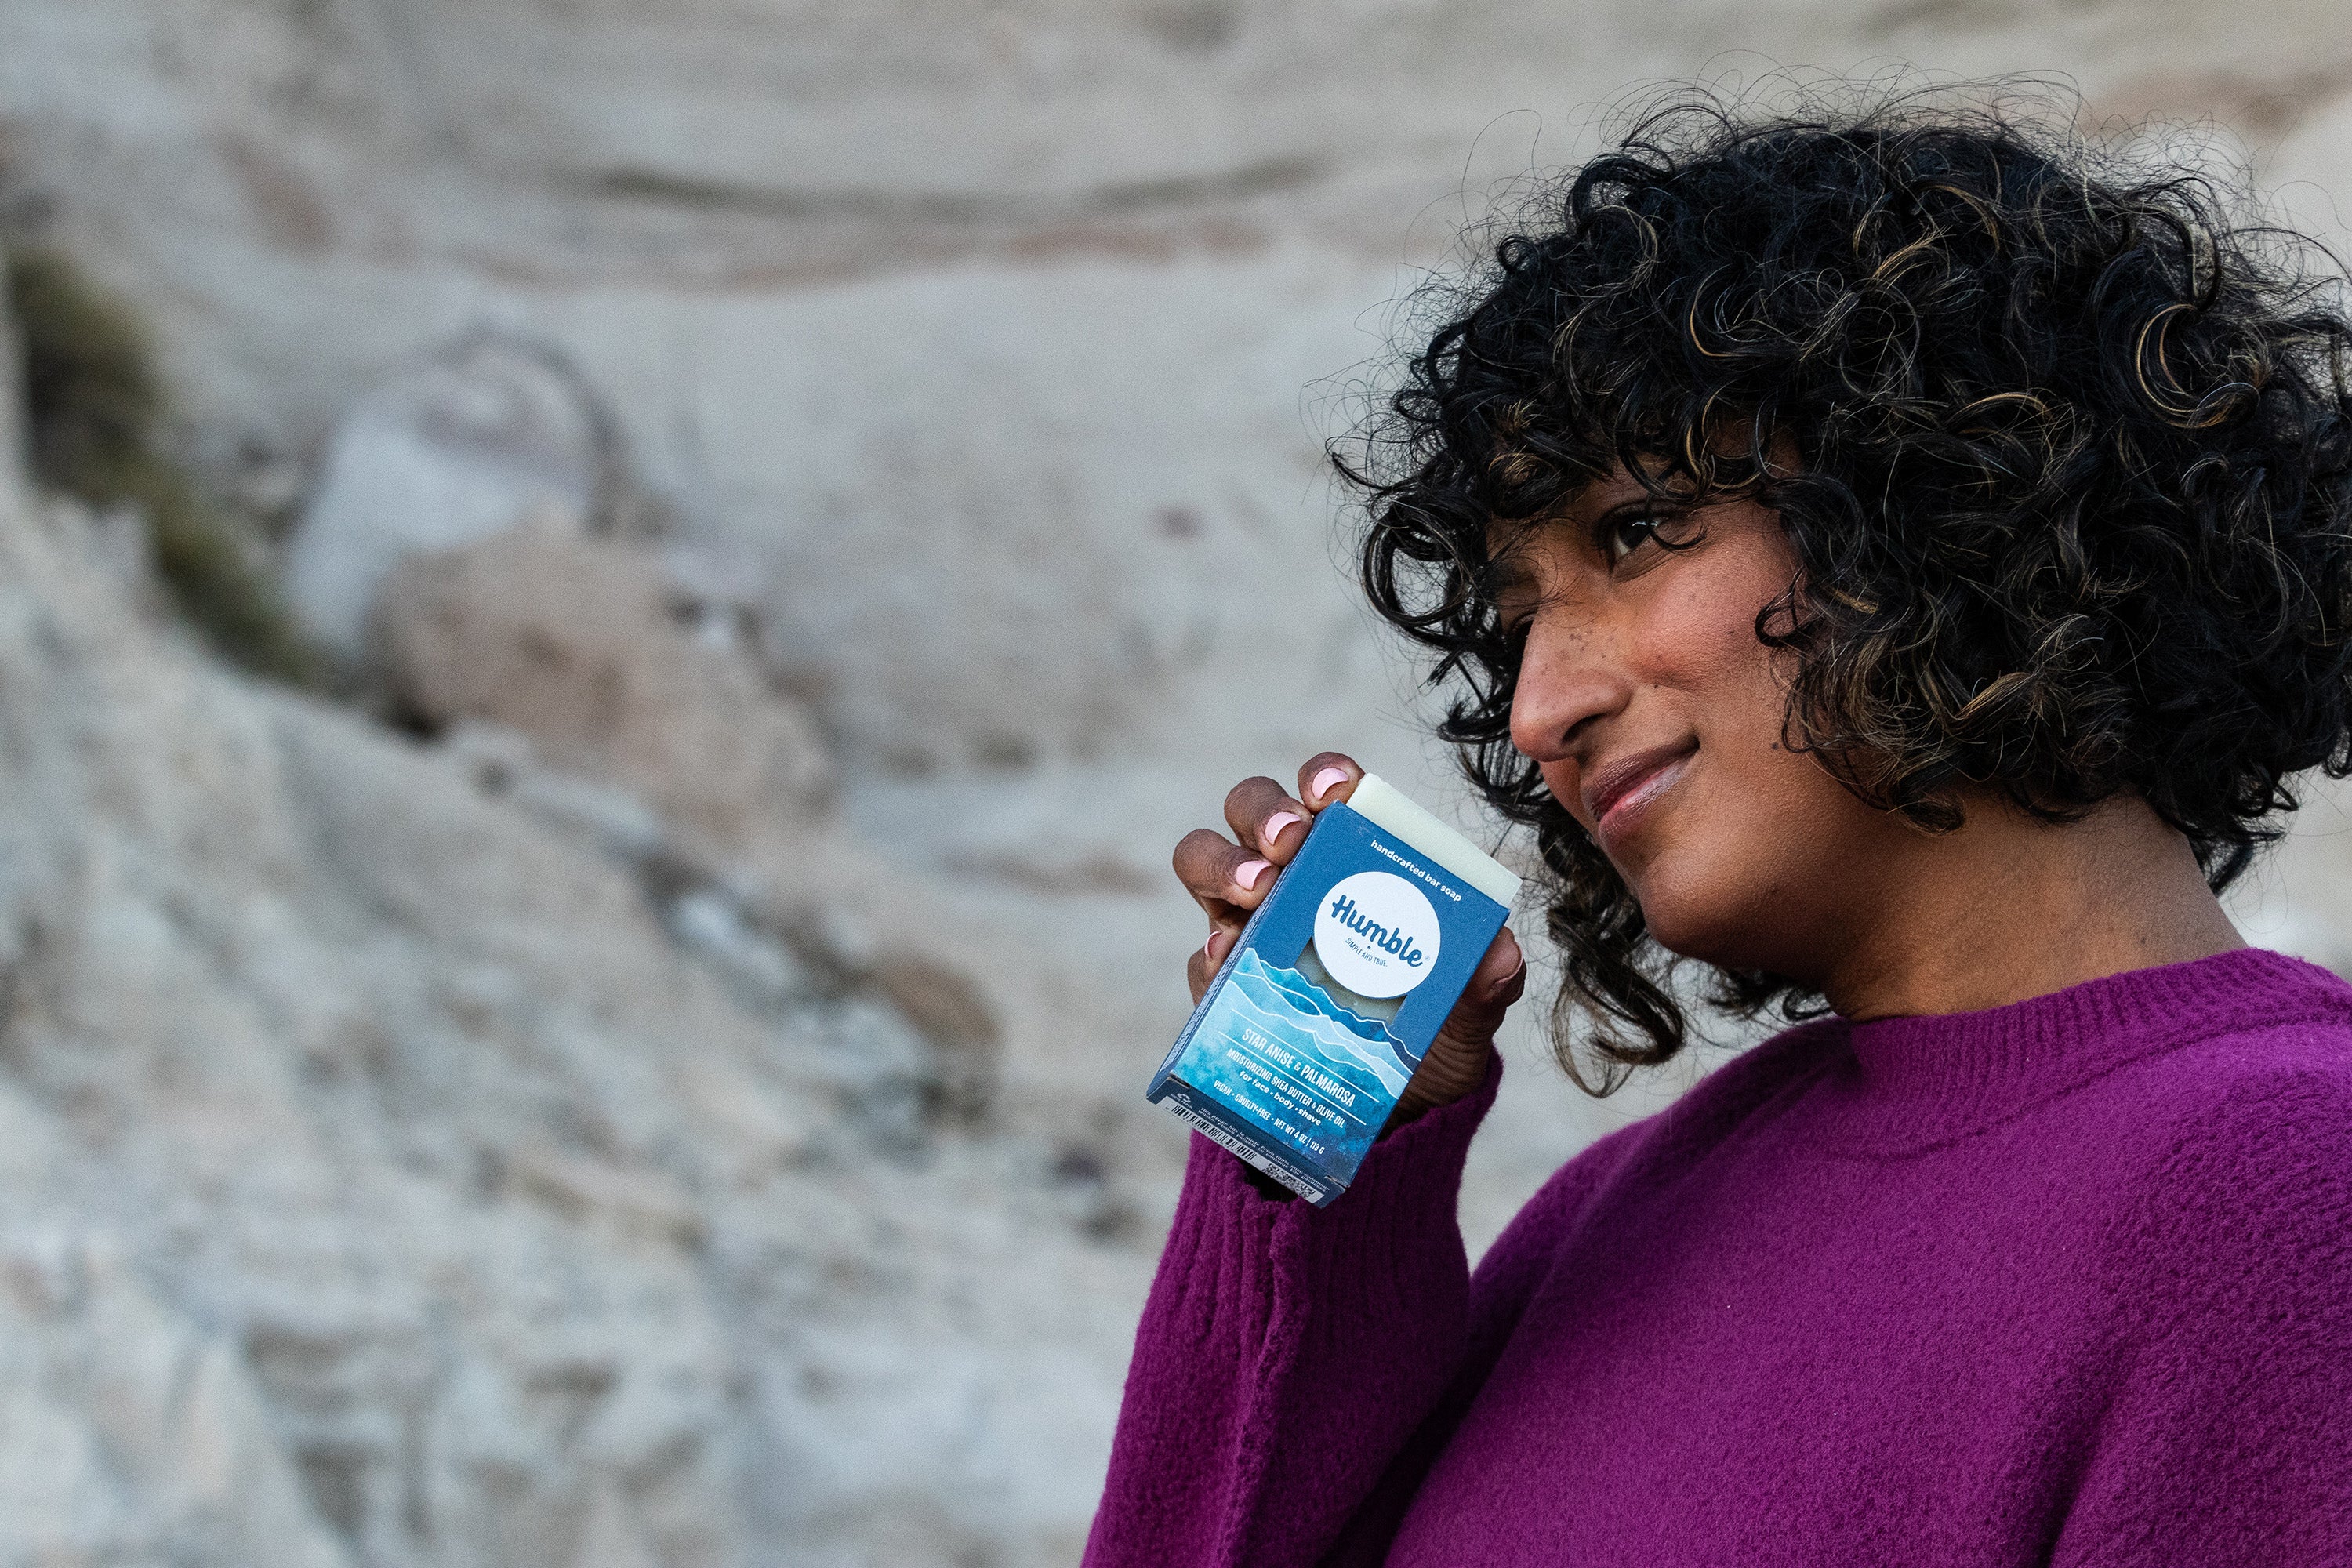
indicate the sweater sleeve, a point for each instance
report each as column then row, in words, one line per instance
column 1287, row 1353
column 1506, row 1278
column 2226, row 1438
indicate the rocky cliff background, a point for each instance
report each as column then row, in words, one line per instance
column 608, row 611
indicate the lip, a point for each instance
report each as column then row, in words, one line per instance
column 1616, row 789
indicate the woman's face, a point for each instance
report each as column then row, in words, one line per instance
column 1655, row 717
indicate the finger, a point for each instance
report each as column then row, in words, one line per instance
column 1498, row 981
column 1262, row 815
column 1221, row 875
column 1207, row 959
column 1327, row 778
column 1456, row 1060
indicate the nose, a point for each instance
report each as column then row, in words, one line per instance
column 1567, row 682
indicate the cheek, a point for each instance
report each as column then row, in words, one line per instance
column 1700, row 641
column 1691, row 656
column 1748, row 837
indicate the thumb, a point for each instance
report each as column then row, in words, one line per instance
column 1456, row 1062
column 1499, row 981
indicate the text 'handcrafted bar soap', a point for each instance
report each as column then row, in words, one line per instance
column 1302, row 1043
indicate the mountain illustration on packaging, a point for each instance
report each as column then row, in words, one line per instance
column 1296, row 1011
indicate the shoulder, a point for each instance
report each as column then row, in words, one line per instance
column 2214, row 1077
column 2236, row 1196
column 1522, row 1253
column 2247, row 1118
column 2277, row 1077
column 1751, row 1083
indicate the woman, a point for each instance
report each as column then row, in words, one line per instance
column 1894, row 563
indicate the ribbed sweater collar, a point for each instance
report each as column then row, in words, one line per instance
column 1942, row 1075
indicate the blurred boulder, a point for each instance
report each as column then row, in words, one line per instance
column 580, row 645
column 486, row 435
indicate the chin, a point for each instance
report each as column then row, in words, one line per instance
column 1699, row 907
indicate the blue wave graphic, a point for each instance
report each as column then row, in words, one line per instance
column 1293, row 1010
column 1304, row 994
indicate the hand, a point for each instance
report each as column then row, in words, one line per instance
column 1228, row 878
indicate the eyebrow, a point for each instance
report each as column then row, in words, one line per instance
column 1511, row 575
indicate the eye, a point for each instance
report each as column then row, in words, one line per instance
column 1514, row 600
column 1623, row 536
column 1512, row 622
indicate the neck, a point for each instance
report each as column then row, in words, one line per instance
column 2007, row 907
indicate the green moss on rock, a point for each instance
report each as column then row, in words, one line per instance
column 95, row 406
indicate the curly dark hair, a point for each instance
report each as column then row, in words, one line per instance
column 2072, row 480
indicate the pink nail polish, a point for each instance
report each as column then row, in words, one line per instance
column 1245, row 875
column 1275, row 825
column 1326, row 781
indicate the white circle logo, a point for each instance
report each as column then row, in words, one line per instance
column 1376, row 934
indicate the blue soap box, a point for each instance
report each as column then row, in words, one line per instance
column 1299, row 1047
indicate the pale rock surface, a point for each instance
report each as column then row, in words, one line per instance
column 386, row 1183
column 130, row 1431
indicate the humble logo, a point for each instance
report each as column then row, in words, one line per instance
column 1376, row 934
column 1343, row 910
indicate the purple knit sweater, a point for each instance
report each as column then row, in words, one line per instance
column 2066, row 1281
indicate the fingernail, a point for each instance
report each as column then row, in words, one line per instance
column 1275, row 823
column 1326, row 781
column 1503, row 982
column 1245, row 875
column 1210, row 944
